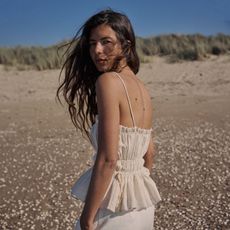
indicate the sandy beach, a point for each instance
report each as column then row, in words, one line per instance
column 42, row 155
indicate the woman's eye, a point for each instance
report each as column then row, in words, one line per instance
column 105, row 42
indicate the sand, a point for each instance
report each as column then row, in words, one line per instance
column 42, row 155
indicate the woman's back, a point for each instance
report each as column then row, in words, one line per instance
column 133, row 91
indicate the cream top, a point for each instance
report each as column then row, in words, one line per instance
column 131, row 186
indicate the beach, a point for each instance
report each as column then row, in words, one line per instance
column 42, row 154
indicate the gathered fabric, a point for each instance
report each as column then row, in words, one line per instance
column 131, row 186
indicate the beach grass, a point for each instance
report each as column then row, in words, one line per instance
column 176, row 47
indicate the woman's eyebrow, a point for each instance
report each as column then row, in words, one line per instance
column 106, row 37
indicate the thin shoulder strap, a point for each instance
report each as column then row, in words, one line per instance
column 126, row 91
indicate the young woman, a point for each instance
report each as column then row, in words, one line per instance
column 112, row 107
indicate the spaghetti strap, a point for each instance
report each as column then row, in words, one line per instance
column 130, row 107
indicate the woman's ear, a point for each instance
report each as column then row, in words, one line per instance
column 128, row 46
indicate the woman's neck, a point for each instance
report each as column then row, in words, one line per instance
column 126, row 70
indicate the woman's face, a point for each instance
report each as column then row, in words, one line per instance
column 104, row 47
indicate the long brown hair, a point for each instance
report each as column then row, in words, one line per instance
column 78, row 85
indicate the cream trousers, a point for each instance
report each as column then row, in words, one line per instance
column 134, row 220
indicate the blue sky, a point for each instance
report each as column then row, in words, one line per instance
column 46, row 22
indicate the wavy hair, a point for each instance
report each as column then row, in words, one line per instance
column 80, row 73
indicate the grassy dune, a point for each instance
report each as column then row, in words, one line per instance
column 176, row 47
column 23, row 58
column 183, row 47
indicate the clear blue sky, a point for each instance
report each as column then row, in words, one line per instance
column 46, row 22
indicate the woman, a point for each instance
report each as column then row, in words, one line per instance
column 100, row 78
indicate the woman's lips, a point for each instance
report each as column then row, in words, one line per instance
column 101, row 60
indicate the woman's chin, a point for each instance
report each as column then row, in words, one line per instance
column 102, row 68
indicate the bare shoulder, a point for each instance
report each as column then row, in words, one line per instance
column 107, row 101
column 107, row 83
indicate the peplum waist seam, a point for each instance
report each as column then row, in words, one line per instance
column 128, row 190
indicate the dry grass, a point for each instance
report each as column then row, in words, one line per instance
column 177, row 47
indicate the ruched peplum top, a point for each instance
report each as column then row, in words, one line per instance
column 131, row 186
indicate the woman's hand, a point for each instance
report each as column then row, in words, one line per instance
column 86, row 224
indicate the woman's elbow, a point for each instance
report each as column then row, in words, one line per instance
column 108, row 163
column 111, row 163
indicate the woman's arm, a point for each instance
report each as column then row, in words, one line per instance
column 108, row 134
column 148, row 157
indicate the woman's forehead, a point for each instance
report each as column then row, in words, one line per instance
column 102, row 31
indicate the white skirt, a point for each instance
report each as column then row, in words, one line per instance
column 135, row 220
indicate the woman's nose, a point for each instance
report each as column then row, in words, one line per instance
column 98, row 48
